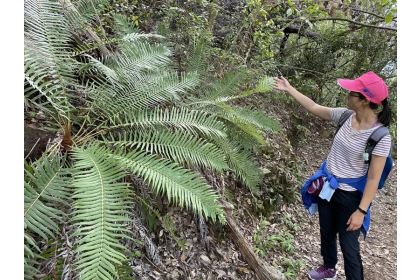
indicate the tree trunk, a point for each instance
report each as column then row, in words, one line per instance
column 263, row 271
column 89, row 32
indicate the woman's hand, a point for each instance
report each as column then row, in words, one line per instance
column 282, row 84
column 355, row 221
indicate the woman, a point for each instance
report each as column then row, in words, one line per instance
column 346, row 210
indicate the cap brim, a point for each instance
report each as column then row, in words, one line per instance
column 348, row 84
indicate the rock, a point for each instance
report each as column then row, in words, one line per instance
column 265, row 171
column 205, row 259
column 175, row 274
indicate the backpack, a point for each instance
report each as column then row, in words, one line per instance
column 373, row 139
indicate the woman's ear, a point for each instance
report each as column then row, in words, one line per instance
column 366, row 101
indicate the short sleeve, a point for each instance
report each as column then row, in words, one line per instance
column 336, row 114
column 383, row 147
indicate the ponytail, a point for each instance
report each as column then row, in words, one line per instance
column 385, row 115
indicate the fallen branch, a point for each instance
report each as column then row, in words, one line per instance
column 263, row 271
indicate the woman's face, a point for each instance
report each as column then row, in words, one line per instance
column 353, row 100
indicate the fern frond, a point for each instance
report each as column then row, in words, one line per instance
column 241, row 163
column 123, row 26
column 179, row 118
column 249, row 129
column 108, row 72
column 176, row 146
column 139, row 56
column 222, row 89
column 218, row 96
column 166, row 222
column 238, row 124
column 197, row 57
column 257, row 118
column 30, row 257
column 265, row 84
column 46, row 183
column 181, row 186
column 138, row 36
column 100, row 202
column 29, row 267
column 247, row 141
column 169, row 225
column 144, row 92
column 47, row 65
column 84, row 12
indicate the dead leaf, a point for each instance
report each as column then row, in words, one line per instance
column 243, row 269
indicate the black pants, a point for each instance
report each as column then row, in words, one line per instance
column 333, row 217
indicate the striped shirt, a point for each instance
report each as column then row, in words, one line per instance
column 345, row 159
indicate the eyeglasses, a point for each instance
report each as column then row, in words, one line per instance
column 353, row 95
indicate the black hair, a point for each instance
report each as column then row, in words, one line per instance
column 384, row 116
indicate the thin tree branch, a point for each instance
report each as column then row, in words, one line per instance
column 370, row 13
column 355, row 22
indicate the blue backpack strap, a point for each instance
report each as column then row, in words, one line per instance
column 343, row 119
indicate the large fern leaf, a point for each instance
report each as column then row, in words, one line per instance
column 46, row 183
column 188, row 120
column 30, row 257
column 177, row 146
column 137, row 56
column 241, row 163
column 100, row 202
column 142, row 92
column 219, row 96
column 265, row 84
column 181, row 186
column 47, row 65
column 197, row 57
column 255, row 117
column 84, row 11
column 123, row 26
column 221, row 89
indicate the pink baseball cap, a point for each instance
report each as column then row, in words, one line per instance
column 369, row 84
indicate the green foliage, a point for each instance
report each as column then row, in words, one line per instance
column 240, row 161
column 47, row 34
column 291, row 268
column 264, row 242
column 43, row 187
column 179, row 147
column 288, row 222
column 191, row 121
column 182, row 186
column 100, row 202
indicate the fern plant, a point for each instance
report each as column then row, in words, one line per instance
column 135, row 118
column 245, row 125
